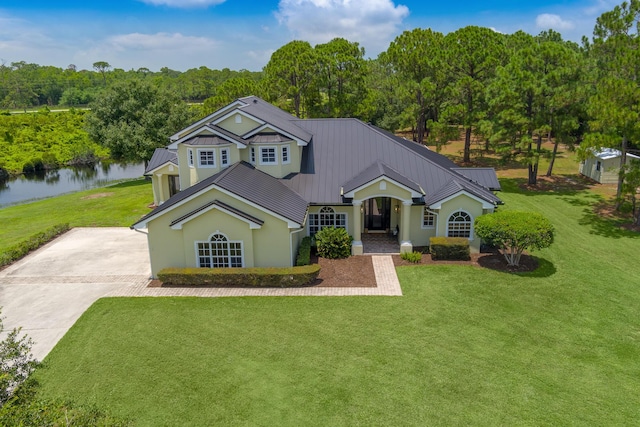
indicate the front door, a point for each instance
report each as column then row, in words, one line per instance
column 377, row 214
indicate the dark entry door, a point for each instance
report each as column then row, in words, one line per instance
column 174, row 184
column 377, row 213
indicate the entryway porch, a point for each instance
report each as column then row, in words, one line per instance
column 380, row 243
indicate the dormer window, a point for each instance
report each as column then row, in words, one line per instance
column 285, row 154
column 190, row 156
column 268, row 156
column 253, row 155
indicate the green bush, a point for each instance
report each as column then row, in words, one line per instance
column 16, row 252
column 254, row 277
column 414, row 257
column 304, row 252
column 33, row 166
column 449, row 248
column 333, row 243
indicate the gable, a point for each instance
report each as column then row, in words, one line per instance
column 238, row 122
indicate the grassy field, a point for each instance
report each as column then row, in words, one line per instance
column 116, row 205
column 463, row 346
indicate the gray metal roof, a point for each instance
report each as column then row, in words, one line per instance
column 207, row 140
column 160, row 157
column 245, row 181
column 483, row 176
column 343, row 148
column 375, row 171
column 275, row 116
column 267, row 138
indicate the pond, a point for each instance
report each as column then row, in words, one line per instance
column 55, row 182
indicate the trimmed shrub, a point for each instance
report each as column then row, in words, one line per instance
column 304, row 252
column 254, row 277
column 333, row 243
column 449, row 248
column 414, row 257
column 16, row 252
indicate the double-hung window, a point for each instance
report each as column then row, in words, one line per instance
column 268, row 156
column 190, row 156
column 429, row 218
column 224, row 157
column 285, row 154
column 252, row 159
column 207, row 158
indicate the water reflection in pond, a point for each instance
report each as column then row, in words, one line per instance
column 55, row 182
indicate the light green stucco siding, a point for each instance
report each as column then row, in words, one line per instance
column 245, row 125
column 383, row 188
column 268, row 246
column 160, row 182
column 464, row 203
column 190, row 175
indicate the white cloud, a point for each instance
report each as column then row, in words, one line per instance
column 161, row 42
column 373, row 23
column 600, row 6
column 547, row 21
column 185, row 4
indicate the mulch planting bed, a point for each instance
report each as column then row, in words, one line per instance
column 352, row 272
column 493, row 261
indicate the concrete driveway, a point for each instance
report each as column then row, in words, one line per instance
column 48, row 290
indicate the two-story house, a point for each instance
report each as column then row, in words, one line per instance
column 244, row 185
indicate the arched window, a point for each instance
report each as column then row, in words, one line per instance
column 219, row 251
column 326, row 217
column 459, row 225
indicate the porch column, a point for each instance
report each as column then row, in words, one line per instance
column 405, row 227
column 160, row 189
column 356, row 245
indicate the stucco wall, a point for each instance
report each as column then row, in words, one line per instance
column 383, row 188
column 464, row 203
column 246, row 124
column 269, row 246
column 160, row 182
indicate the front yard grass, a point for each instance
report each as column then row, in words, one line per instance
column 463, row 346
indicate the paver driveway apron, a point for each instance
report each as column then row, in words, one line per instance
column 48, row 290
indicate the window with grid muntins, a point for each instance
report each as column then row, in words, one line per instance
column 219, row 252
column 285, row 154
column 326, row 217
column 190, row 154
column 253, row 154
column 428, row 218
column 224, row 157
column 459, row 225
column 268, row 155
column 206, row 158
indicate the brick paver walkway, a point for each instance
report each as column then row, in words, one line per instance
column 385, row 272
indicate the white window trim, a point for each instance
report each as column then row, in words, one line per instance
column 317, row 213
column 228, row 153
column 286, row 148
column 195, row 245
column 435, row 219
column 213, row 151
column 252, row 155
column 275, row 151
column 471, row 222
column 190, row 157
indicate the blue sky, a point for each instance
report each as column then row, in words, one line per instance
column 242, row 34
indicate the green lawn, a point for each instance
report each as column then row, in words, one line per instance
column 117, row 205
column 463, row 346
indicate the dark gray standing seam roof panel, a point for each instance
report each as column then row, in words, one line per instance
column 160, row 157
column 275, row 116
column 206, row 140
column 344, row 148
column 250, row 184
column 483, row 176
column 375, row 171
